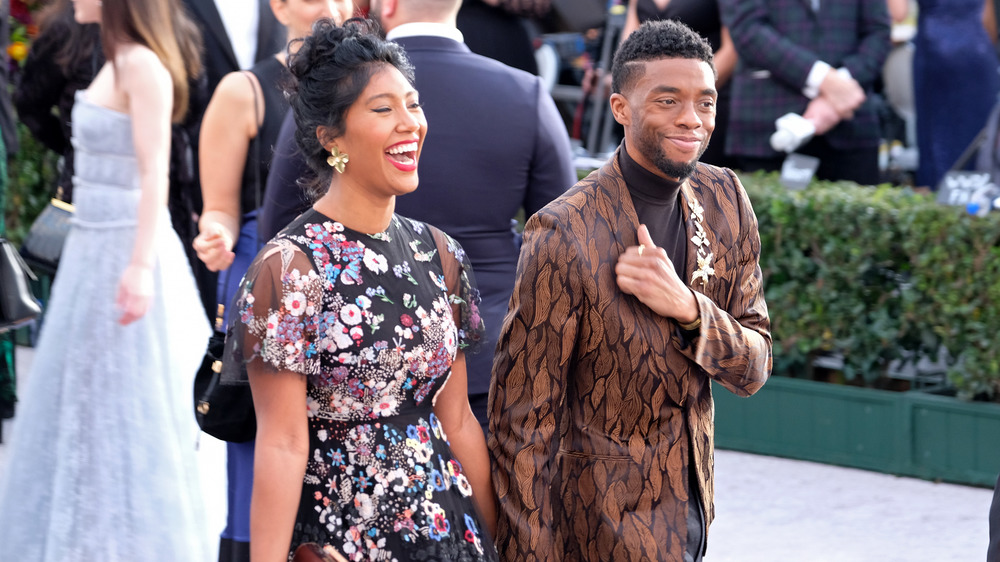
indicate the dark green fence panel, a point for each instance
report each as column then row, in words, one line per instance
column 905, row 433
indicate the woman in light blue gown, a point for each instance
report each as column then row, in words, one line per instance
column 102, row 463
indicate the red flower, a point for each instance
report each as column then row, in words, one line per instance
column 20, row 11
column 406, row 320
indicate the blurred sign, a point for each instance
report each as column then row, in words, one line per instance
column 961, row 187
column 798, row 170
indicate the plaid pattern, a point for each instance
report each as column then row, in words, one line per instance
column 778, row 42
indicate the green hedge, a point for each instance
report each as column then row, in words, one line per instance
column 31, row 179
column 879, row 274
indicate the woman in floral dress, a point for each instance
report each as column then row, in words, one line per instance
column 351, row 326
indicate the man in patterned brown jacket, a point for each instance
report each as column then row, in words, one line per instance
column 634, row 290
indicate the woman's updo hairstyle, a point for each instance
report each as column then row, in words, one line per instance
column 329, row 71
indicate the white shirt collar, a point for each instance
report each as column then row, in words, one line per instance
column 241, row 25
column 425, row 28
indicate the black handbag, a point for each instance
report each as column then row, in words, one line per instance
column 17, row 304
column 224, row 411
column 44, row 243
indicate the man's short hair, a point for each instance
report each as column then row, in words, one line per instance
column 654, row 40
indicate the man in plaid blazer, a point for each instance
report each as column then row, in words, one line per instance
column 817, row 58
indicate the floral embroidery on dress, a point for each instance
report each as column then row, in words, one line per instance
column 369, row 321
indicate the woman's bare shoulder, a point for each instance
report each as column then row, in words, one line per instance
column 141, row 63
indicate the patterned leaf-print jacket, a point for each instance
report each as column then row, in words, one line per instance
column 597, row 403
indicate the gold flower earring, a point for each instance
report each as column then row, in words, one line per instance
column 337, row 159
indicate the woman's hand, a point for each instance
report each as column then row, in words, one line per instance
column 214, row 246
column 135, row 290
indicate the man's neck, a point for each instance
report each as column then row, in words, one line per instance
column 423, row 29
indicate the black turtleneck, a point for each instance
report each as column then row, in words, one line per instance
column 657, row 203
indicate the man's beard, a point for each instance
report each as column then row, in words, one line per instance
column 650, row 147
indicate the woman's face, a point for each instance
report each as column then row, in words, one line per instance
column 87, row 11
column 298, row 16
column 383, row 133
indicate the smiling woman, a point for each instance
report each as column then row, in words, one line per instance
column 352, row 323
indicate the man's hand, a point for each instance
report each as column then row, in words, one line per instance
column 646, row 272
column 843, row 92
column 822, row 114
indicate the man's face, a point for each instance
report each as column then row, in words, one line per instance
column 668, row 115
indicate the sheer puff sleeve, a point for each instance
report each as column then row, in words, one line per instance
column 277, row 316
column 462, row 291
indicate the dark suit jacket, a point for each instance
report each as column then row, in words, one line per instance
column 495, row 143
column 597, row 404
column 219, row 57
column 778, row 41
column 495, row 33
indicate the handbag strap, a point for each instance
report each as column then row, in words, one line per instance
column 254, row 84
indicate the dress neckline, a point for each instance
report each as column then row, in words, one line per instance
column 82, row 95
column 377, row 235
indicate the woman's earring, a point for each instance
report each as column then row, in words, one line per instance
column 337, row 159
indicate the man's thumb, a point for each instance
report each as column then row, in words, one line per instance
column 644, row 238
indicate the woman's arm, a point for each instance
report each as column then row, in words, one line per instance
column 282, row 449
column 146, row 85
column 468, row 444
column 229, row 124
column 631, row 21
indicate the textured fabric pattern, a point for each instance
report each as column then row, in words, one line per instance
column 778, row 42
column 596, row 402
column 369, row 320
column 102, row 462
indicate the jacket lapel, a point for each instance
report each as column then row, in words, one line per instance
column 687, row 196
column 615, row 205
column 212, row 21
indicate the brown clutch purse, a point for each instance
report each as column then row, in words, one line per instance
column 312, row 552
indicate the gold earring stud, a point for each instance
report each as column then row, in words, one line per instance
column 337, row 159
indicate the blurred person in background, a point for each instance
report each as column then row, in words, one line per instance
column 63, row 58
column 955, row 81
column 102, row 463
column 238, row 132
column 703, row 17
column 500, row 29
column 818, row 59
column 237, row 34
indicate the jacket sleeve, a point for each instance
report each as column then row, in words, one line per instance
column 762, row 46
column 734, row 344
column 531, row 366
column 552, row 171
column 865, row 64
